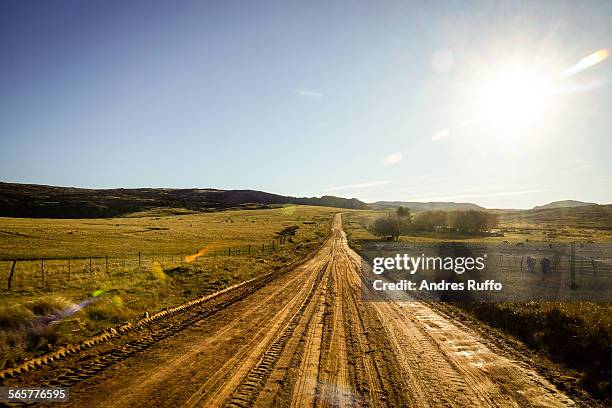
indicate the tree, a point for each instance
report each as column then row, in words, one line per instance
column 388, row 226
column 404, row 212
column 473, row 221
column 429, row 220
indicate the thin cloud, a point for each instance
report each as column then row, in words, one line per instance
column 308, row 93
column 392, row 158
column 359, row 185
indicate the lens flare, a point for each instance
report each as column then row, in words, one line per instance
column 587, row 62
column 288, row 209
column 97, row 293
column 207, row 249
column 117, row 301
column 157, row 271
column 441, row 134
column 518, row 98
column 191, row 258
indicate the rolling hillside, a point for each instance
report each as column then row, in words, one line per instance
column 417, row 206
column 40, row 201
column 590, row 216
column 563, row 204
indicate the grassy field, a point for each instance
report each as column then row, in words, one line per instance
column 554, row 225
column 120, row 294
column 154, row 231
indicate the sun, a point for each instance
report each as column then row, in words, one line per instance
column 514, row 98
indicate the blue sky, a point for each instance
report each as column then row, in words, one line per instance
column 311, row 98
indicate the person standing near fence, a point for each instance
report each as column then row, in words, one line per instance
column 531, row 262
column 545, row 264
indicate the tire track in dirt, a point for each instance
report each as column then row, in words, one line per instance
column 344, row 360
column 250, row 387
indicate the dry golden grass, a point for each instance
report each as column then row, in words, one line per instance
column 153, row 231
column 121, row 293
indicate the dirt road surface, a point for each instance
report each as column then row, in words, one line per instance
column 302, row 338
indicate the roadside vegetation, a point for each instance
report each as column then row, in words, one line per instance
column 35, row 318
column 472, row 222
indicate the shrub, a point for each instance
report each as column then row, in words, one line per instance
column 106, row 310
column 14, row 317
column 49, row 305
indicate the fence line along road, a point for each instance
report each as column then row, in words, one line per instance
column 36, row 270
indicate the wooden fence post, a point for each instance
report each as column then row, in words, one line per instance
column 139, row 259
column 10, row 279
column 90, row 264
column 69, row 269
column 42, row 270
column 106, row 261
column 594, row 267
column 573, row 266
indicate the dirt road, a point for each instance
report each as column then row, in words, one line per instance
column 304, row 338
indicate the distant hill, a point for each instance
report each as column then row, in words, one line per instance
column 563, row 204
column 585, row 216
column 40, row 201
column 417, row 206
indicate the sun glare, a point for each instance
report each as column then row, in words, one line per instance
column 514, row 98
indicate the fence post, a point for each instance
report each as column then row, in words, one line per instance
column 594, row 267
column 10, row 279
column 42, row 270
column 138, row 258
column 90, row 264
column 573, row 266
column 249, row 249
column 69, row 269
column 123, row 261
column 106, row 260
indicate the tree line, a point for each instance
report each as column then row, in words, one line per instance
column 402, row 222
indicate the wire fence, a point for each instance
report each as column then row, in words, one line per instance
column 585, row 260
column 22, row 273
column 528, row 271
